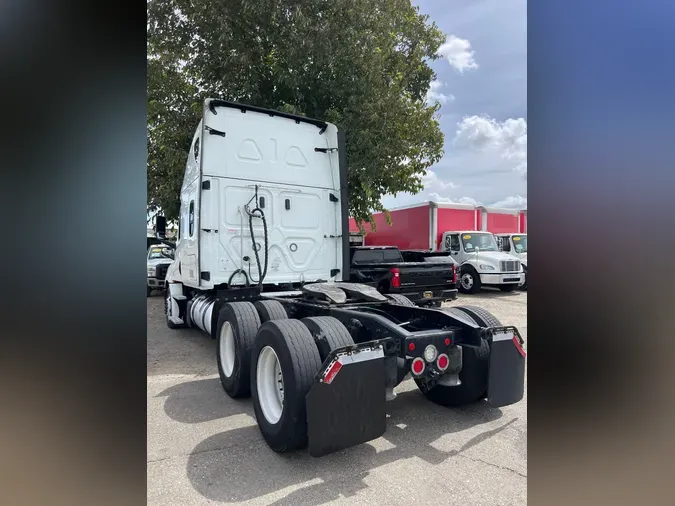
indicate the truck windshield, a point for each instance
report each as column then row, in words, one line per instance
column 520, row 243
column 158, row 252
column 486, row 242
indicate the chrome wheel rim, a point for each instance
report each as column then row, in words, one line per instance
column 270, row 385
column 226, row 349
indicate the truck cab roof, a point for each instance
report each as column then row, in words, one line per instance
column 467, row 232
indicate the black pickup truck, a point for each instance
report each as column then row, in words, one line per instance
column 426, row 283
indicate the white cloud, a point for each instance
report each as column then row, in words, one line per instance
column 513, row 202
column 431, row 182
column 435, row 95
column 459, row 54
column 507, row 138
column 446, row 200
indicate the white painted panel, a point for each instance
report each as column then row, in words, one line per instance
column 265, row 148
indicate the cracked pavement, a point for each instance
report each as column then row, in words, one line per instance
column 205, row 448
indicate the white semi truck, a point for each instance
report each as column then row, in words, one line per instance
column 262, row 252
column 516, row 246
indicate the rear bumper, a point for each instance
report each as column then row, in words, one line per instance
column 502, row 279
column 420, row 296
column 346, row 404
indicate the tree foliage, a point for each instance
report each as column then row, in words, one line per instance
column 361, row 64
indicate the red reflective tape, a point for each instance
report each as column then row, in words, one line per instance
column 332, row 372
column 519, row 347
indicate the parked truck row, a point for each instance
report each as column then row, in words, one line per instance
column 483, row 258
column 264, row 265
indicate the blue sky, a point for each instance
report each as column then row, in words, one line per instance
column 482, row 88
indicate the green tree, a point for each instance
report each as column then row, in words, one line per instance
column 361, row 64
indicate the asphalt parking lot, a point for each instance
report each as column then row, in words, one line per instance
column 205, row 448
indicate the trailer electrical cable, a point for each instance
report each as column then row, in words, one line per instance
column 257, row 213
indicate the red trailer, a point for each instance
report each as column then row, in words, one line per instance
column 421, row 226
column 522, row 222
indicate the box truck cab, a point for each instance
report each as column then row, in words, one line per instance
column 515, row 245
column 481, row 262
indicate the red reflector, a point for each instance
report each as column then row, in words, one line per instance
column 418, row 366
column 395, row 277
column 519, row 347
column 454, row 274
column 332, row 372
column 442, row 362
column 411, row 346
column 447, row 341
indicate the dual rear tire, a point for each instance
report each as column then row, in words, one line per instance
column 263, row 353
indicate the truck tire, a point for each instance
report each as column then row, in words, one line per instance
column 149, row 290
column 474, row 373
column 480, row 315
column 524, row 285
column 328, row 333
column 270, row 310
column 469, row 280
column 284, row 362
column 169, row 323
column 399, row 299
column 508, row 288
column 238, row 323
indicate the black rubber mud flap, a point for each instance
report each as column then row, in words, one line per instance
column 346, row 405
column 506, row 377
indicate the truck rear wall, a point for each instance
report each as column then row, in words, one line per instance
column 453, row 219
column 499, row 223
column 409, row 229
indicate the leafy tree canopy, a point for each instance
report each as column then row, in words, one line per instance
column 361, row 64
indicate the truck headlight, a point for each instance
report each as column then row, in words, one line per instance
column 152, row 271
column 486, row 268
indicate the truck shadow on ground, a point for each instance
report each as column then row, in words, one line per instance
column 237, row 465
column 202, row 400
column 496, row 292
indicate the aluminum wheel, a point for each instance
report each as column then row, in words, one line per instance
column 270, row 384
column 226, row 350
column 467, row 281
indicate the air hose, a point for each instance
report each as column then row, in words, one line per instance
column 257, row 213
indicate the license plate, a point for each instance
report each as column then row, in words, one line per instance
column 428, row 295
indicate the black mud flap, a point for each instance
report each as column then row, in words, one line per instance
column 346, row 404
column 506, row 379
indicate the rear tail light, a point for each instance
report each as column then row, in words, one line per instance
column 442, row 362
column 418, row 366
column 430, row 353
column 454, row 274
column 395, row 277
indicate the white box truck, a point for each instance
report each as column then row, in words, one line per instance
column 481, row 261
column 515, row 245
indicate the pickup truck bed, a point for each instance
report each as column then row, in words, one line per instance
column 424, row 283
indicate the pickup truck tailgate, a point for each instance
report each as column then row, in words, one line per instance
column 424, row 274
